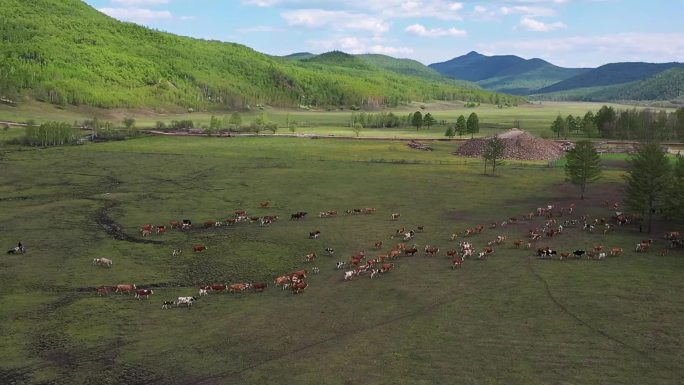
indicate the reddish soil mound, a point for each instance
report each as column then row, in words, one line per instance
column 520, row 145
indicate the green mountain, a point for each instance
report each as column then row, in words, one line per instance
column 403, row 66
column 66, row 52
column 667, row 85
column 505, row 73
column 612, row 74
column 299, row 56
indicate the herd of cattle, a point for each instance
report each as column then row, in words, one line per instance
column 383, row 262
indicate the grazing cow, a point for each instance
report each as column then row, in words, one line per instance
column 314, row 234
column 316, row 270
column 601, row 255
column 616, row 251
column 395, row 216
column 102, row 291
column 299, row 274
column 143, row 293
column 330, row 250
column 670, row 235
column 642, row 247
column 125, row 288
column 481, row 255
column 431, row 250
column 198, row 248
column 167, row 304
column 456, row 262
column 176, row 253
column 517, row 243
column 259, row 287
column 145, row 232
column 578, row 253
column 106, row 262
column 598, row 248
column 488, row 250
column 393, row 254
column 186, row 225
column 411, row 251
column 282, row 281
column 348, row 275
column 240, row 213
column 239, row 287
column 374, row 273
column 161, row 229
column 386, row 267
column 378, row 245
column 175, row 224
column 218, row 287
column 564, row 256
column 339, row 265
column 187, row 301
column 209, row 224
column 203, row 291
column 298, row 216
column 368, row 210
column 664, row 252
column 299, row 287
column 264, row 204
column 310, row 257
column 451, row 253
column 409, row 235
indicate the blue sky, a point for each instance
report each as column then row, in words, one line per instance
column 569, row 33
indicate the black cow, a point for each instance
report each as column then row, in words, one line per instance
column 298, row 216
column 578, row 253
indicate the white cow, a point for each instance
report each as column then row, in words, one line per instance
column 348, row 275
column 106, row 262
column 185, row 301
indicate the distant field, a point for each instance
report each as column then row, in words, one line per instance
column 510, row 319
column 532, row 117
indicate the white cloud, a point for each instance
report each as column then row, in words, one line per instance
column 138, row 15
column 336, row 20
column 596, row 50
column 140, row 2
column 538, row 26
column 356, row 45
column 527, row 11
column 434, row 32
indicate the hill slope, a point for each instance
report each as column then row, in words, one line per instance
column 505, row 73
column 612, row 74
column 65, row 52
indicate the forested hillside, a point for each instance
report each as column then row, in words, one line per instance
column 505, row 73
column 65, row 52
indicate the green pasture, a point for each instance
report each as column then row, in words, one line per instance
column 509, row 319
column 533, row 117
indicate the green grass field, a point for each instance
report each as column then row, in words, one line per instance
column 535, row 118
column 508, row 319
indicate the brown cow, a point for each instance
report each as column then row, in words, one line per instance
column 410, row 251
column 259, row 287
column 198, row 248
column 175, row 224
column 239, row 287
column 283, row 281
column 311, row 257
column 299, row 274
column 125, row 288
column 143, row 293
column 102, row 291
column 299, row 287
column 264, row 203
column 386, row 267
column 378, row 245
column 616, row 251
column 517, row 243
column 216, row 287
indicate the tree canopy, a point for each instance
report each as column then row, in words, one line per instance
column 648, row 179
column 473, row 124
column 583, row 165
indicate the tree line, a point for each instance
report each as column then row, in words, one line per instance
column 630, row 124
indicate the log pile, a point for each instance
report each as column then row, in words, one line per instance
column 419, row 146
column 520, row 145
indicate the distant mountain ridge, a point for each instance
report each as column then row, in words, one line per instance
column 515, row 75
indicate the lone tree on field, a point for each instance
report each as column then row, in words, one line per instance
column 429, row 120
column 235, row 120
column 674, row 200
column 493, row 152
column 357, row 127
column 583, row 165
column 461, row 125
column 417, row 120
column 473, row 124
column 647, row 179
column 558, row 125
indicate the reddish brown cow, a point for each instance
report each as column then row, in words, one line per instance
column 452, row 253
column 217, row 287
column 198, row 248
column 259, row 287
column 209, row 224
column 299, row 274
column 102, row 291
column 410, row 251
column 282, row 280
column 161, row 229
column 125, row 288
column 264, row 203
column 143, row 293
column 386, row 267
column 456, row 262
column 517, row 243
column 299, row 287
column 239, row 287
column 378, row 245
column 175, row 224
